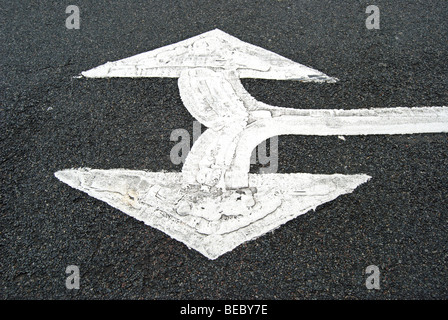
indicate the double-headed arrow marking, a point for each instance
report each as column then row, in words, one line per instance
column 215, row 204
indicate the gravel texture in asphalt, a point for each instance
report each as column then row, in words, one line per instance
column 50, row 121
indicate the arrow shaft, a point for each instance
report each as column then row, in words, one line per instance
column 239, row 123
column 358, row 122
column 327, row 123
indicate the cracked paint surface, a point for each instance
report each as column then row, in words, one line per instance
column 210, row 220
column 214, row 50
column 214, row 204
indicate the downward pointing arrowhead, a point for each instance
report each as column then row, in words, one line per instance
column 210, row 225
column 216, row 50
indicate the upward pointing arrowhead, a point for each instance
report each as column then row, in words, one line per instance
column 216, row 50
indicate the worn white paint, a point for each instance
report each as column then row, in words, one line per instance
column 215, row 204
column 210, row 220
column 238, row 123
column 209, row 67
column 214, row 50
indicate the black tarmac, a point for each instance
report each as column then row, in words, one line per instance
column 50, row 121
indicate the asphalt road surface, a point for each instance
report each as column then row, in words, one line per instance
column 50, row 121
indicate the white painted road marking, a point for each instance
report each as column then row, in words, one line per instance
column 210, row 221
column 214, row 50
column 215, row 205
